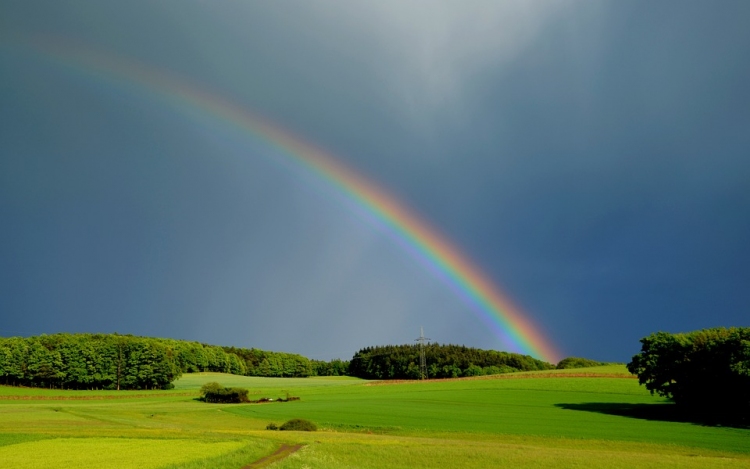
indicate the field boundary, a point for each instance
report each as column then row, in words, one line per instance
column 91, row 398
column 386, row 382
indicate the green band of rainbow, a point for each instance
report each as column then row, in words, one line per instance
column 464, row 277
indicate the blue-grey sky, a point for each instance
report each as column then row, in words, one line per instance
column 592, row 158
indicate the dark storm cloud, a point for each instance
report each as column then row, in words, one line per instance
column 592, row 158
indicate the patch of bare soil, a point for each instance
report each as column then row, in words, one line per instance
column 281, row 453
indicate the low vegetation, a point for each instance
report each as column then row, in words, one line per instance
column 577, row 362
column 117, row 452
column 298, row 425
column 215, row 393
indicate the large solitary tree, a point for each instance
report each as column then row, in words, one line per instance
column 706, row 370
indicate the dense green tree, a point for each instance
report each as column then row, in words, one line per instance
column 706, row 370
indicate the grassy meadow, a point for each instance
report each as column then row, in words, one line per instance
column 594, row 417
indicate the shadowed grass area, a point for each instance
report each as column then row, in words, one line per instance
column 15, row 438
column 668, row 412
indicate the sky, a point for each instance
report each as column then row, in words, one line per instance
column 591, row 159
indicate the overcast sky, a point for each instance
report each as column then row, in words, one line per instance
column 592, row 158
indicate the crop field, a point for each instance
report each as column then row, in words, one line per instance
column 595, row 417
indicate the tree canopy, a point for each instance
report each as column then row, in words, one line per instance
column 706, row 370
column 113, row 361
column 443, row 361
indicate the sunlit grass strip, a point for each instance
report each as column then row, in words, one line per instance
column 111, row 453
column 388, row 452
column 252, row 451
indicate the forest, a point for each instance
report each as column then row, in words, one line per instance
column 443, row 361
column 113, row 361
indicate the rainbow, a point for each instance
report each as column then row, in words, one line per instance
column 443, row 258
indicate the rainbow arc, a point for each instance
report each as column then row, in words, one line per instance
column 442, row 256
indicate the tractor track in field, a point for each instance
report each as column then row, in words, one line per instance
column 283, row 452
column 505, row 376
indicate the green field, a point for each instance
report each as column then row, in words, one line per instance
column 564, row 418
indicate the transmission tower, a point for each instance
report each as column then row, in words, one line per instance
column 422, row 360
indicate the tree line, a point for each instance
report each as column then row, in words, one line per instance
column 113, row 361
column 443, row 361
column 87, row 361
column 258, row 362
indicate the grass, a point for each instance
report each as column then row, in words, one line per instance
column 540, row 407
column 123, row 453
column 427, row 453
column 194, row 381
column 546, row 419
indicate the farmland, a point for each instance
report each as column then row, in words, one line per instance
column 571, row 418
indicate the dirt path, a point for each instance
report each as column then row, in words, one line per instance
column 277, row 455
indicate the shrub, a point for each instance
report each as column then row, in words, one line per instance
column 213, row 386
column 299, row 425
column 576, row 362
column 272, row 426
column 497, row 370
column 213, row 392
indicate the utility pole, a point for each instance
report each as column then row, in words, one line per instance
column 422, row 359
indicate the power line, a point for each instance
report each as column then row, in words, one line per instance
column 422, row 359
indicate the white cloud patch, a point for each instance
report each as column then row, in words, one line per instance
column 427, row 51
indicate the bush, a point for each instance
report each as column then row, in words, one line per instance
column 497, row 370
column 299, row 425
column 210, row 387
column 272, row 426
column 215, row 393
column 576, row 362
